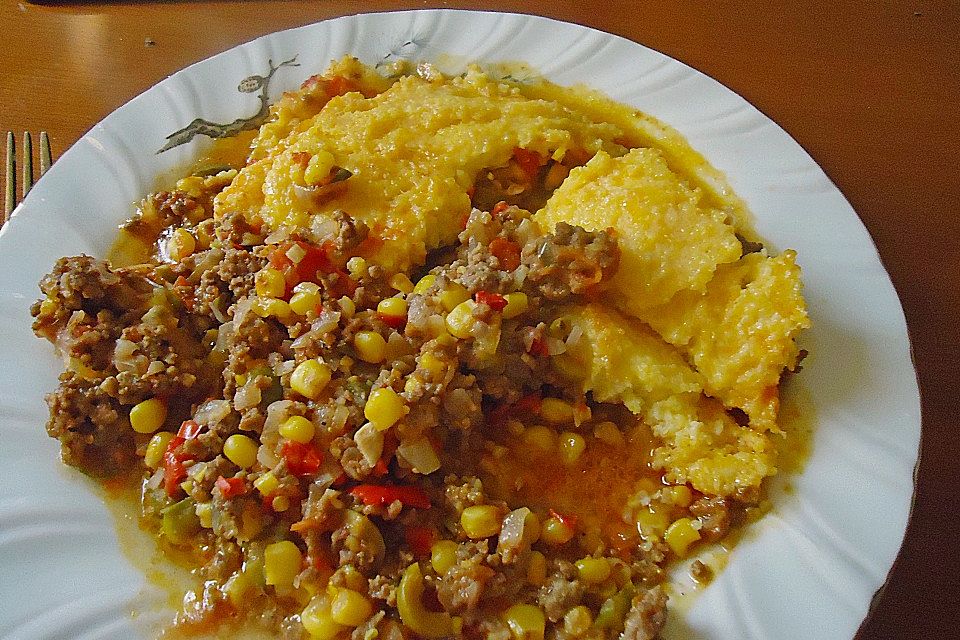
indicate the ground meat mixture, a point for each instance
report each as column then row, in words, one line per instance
column 345, row 451
column 646, row 616
column 571, row 261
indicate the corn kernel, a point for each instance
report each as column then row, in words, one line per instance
column 205, row 515
column 298, row 429
column 609, row 433
column 559, row 328
column 280, row 504
column 680, row 535
column 572, row 446
column 191, row 185
column 156, row 448
column 443, row 556
column 352, row 578
column 591, row 541
column 370, row 346
column 281, row 563
column 310, row 377
column 593, row 570
column 432, row 365
column 267, row 483
column 240, row 450
column 205, row 236
column 384, row 407
column 556, row 532
column 454, row 294
column 318, row 167
column 425, row 283
column 350, row 608
column 318, row 620
column 651, row 523
column 541, row 437
column 401, row 283
column 556, row 410
column 305, row 302
column 460, row 321
column 526, row 621
column 270, row 283
column 181, row 244
column 432, row 625
column 237, row 587
column 395, row 307
column 481, row 521
column 267, row 307
column 680, row 495
column 537, row 569
column 517, row 303
column 357, row 266
column 307, row 287
column 148, row 416
column 577, row 621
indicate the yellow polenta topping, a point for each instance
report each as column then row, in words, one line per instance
column 414, row 152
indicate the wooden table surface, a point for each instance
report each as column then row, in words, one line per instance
column 870, row 89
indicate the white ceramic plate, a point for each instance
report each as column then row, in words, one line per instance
column 809, row 568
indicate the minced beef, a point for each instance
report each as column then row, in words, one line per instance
column 92, row 427
column 571, row 261
column 561, row 592
column 647, row 615
column 197, row 336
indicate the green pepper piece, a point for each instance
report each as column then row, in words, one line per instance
column 180, row 522
column 615, row 608
column 273, row 392
column 212, row 169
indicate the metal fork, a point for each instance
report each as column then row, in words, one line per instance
column 10, row 197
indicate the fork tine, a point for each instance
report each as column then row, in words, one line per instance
column 27, row 163
column 11, row 178
column 45, row 159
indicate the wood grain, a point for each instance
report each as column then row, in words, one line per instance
column 870, row 89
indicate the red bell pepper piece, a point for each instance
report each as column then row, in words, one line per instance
column 394, row 322
column 529, row 161
column 173, row 469
column 173, row 473
column 493, row 300
column 380, row 469
column 525, row 406
column 338, row 85
column 507, row 252
column 315, row 260
column 302, row 459
column 382, row 495
column 231, row 487
column 420, row 539
column 499, row 208
column 539, row 347
column 528, row 404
